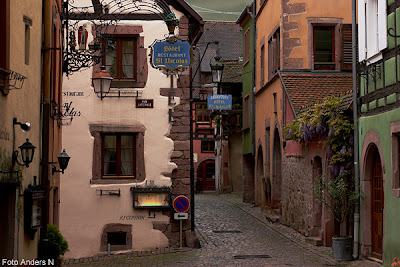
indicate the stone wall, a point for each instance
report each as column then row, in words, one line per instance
column 180, row 134
column 297, row 193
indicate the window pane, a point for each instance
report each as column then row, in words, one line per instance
column 210, row 170
column 126, row 168
column 127, row 141
column 110, row 155
column 127, row 46
column 127, row 71
column 323, row 45
column 110, row 168
column 110, row 141
column 323, row 35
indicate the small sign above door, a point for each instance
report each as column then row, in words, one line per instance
column 144, row 103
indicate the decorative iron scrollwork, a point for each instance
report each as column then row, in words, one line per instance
column 100, row 18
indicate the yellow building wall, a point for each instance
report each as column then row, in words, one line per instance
column 264, row 112
column 24, row 104
column 267, row 20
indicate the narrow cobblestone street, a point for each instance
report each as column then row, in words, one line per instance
column 232, row 233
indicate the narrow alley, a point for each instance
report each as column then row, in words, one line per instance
column 232, row 233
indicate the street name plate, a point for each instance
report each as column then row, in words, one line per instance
column 181, row 216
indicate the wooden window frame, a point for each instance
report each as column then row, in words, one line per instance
column 205, row 146
column 118, row 175
column 274, row 53
column 262, row 66
column 333, row 62
column 97, row 130
column 246, row 52
column 395, row 134
column 118, row 40
column 246, row 112
column 203, row 120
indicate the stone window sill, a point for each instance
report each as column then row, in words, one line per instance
column 113, row 181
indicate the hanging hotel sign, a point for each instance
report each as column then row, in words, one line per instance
column 219, row 102
column 171, row 54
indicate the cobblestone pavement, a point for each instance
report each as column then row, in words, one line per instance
column 233, row 233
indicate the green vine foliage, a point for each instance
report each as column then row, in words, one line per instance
column 326, row 122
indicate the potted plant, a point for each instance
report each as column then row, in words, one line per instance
column 57, row 244
column 338, row 196
column 331, row 125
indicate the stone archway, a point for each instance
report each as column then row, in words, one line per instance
column 276, row 171
column 372, row 202
column 258, row 189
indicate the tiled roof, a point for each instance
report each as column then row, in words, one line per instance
column 229, row 38
column 232, row 72
column 307, row 88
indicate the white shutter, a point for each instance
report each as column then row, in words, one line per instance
column 382, row 24
column 361, row 30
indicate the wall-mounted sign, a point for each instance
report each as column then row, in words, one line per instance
column 70, row 111
column 144, row 103
column 219, row 102
column 73, row 94
column 170, row 55
column 151, row 197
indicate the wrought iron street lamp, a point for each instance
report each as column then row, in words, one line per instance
column 27, row 152
column 216, row 68
column 102, row 82
column 63, row 160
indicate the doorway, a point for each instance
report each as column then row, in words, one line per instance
column 377, row 205
column 206, row 175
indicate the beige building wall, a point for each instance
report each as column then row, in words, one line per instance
column 23, row 104
column 84, row 213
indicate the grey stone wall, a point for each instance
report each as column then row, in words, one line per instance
column 297, row 193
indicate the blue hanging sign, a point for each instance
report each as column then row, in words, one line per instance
column 170, row 55
column 219, row 102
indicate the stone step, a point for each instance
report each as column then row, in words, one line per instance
column 316, row 241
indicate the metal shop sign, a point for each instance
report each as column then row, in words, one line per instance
column 220, row 102
column 170, row 55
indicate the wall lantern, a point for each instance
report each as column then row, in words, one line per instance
column 27, row 152
column 151, row 197
column 102, row 82
column 63, row 160
column 216, row 68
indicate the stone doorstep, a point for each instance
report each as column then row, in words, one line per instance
column 313, row 240
column 124, row 254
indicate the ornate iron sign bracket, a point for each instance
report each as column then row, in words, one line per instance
column 103, row 17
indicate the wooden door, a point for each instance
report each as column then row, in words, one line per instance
column 377, row 206
column 206, row 175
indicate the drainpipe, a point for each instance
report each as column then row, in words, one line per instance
column 47, row 18
column 253, row 100
column 355, row 119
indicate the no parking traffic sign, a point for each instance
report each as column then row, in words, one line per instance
column 181, row 204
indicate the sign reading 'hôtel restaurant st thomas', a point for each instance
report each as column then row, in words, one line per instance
column 170, row 55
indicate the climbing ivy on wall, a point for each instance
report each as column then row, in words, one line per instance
column 331, row 125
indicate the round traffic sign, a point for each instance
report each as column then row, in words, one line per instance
column 181, row 204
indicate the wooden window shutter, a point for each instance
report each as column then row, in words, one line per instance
column 347, row 47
